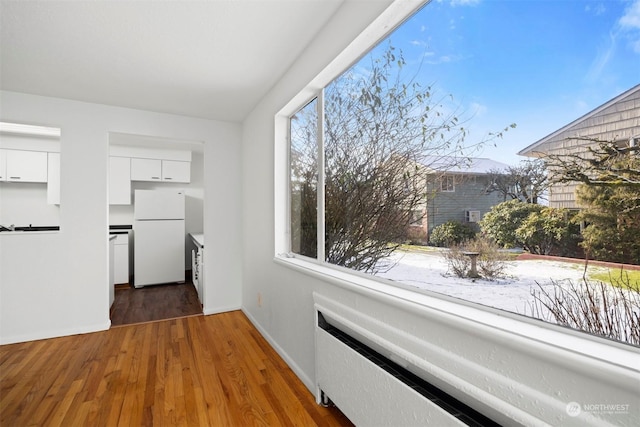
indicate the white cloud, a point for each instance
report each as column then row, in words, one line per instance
column 598, row 9
column 627, row 28
column 478, row 110
column 629, row 25
column 631, row 18
column 443, row 59
column 464, row 2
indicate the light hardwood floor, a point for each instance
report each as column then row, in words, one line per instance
column 200, row 371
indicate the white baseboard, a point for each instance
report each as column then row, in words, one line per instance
column 294, row 366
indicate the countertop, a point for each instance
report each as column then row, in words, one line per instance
column 32, row 229
column 120, row 227
column 198, row 239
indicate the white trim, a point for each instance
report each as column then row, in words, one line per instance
column 292, row 364
column 321, row 175
column 218, row 310
column 514, row 369
column 32, row 130
column 43, row 335
column 392, row 293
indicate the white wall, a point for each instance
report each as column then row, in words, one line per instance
column 57, row 284
column 286, row 311
column 22, row 204
column 519, row 371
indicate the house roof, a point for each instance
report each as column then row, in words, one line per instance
column 529, row 150
column 462, row 165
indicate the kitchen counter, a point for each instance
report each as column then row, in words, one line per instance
column 120, row 227
column 198, row 239
column 31, row 229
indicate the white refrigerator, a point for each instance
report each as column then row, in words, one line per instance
column 159, row 237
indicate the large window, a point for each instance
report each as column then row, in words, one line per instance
column 457, row 91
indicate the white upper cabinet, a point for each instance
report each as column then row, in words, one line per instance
column 119, row 180
column 160, row 170
column 155, row 165
column 146, row 170
column 176, row 171
column 26, row 166
column 53, row 179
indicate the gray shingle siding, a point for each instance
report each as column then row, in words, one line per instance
column 470, row 194
column 616, row 121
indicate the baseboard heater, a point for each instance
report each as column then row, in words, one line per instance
column 373, row 390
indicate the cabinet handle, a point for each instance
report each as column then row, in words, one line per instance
column 155, row 177
column 14, row 177
column 168, row 177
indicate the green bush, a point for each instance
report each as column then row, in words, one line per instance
column 502, row 221
column 549, row 231
column 451, row 233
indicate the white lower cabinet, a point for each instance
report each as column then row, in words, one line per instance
column 121, row 259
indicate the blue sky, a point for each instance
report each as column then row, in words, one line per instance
column 538, row 63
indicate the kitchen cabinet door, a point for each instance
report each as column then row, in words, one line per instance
column 146, row 169
column 3, row 165
column 176, row 171
column 53, row 178
column 26, row 166
column 119, row 180
column 121, row 259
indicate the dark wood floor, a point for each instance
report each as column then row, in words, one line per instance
column 194, row 371
column 156, row 302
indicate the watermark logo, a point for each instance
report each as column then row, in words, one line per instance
column 574, row 408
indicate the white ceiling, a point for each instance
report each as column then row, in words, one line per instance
column 211, row 59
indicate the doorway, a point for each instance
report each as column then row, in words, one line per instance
column 159, row 301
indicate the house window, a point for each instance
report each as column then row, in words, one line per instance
column 367, row 152
column 417, row 215
column 447, row 184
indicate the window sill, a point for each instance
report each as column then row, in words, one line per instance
column 536, row 333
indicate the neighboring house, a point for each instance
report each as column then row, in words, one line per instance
column 456, row 190
column 617, row 120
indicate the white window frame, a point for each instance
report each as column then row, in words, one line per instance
column 445, row 179
column 610, row 360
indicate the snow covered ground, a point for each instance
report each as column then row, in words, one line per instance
column 512, row 293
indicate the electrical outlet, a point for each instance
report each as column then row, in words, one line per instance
column 259, row 299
